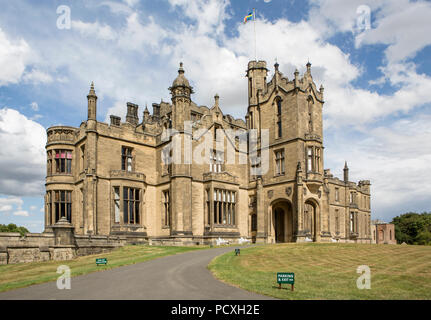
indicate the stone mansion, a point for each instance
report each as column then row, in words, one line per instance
column 113, row 180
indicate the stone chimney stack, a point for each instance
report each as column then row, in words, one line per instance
column 132, row 113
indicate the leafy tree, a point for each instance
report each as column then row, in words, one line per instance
column 413, row 228
column 11, row 227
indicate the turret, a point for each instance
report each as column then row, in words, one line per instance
column 180, row 91
column 256, row 74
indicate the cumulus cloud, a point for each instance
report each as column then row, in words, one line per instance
column 13, row 59
column 22, row 156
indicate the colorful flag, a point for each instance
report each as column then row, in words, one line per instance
column 248, row 17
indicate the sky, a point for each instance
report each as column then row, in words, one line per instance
column 373, row 59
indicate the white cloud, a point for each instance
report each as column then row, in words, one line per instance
column 104, row 32
column 22, row 156
column 209, row 14
column 13, row 59
column 21, row 213
column 402, row 25
column 397, row 160
column 9, row 203
column 32, row 208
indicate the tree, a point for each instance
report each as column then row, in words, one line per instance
column 413, row 228
column 11, row 227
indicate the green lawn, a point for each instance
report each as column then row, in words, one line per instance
column 24, row 274
column 328, row 271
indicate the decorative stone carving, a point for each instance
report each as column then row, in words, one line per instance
column 305, row 191
column 61, row 134
column 289, row 191
column 270, row 193
column 221, row 176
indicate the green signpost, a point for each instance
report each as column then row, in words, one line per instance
column 100, row 261
column 286, row 277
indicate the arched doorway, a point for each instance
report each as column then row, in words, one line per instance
column 282, row 222
column 310, row 220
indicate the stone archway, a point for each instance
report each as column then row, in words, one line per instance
column 282, row 221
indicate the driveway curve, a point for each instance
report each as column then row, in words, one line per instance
column 178, row 277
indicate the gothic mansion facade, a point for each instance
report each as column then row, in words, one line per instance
column 112, row 179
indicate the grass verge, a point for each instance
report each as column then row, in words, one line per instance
column 19, row 275
column 328, row 271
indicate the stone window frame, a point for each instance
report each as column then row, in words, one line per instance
column 166, row 206
column 278, row 125
column 337, row 194
column 309, row 158
column 216, row 161
column 317, row 159
column 136, row 205
column 116, row 204
column 57, row 201
column 60, row 167
column 337, row 221
column 127, row 157
column 280, row 162
column 49, row 163
column 224, row 204
column 83, row 158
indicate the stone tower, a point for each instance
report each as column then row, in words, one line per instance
column 181, row 180
column 289, row 112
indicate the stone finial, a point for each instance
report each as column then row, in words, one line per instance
column 276, row 65
column 92, row 91
column 216, row 99
column 308, row 67
column 181, row 69
column 296, row 73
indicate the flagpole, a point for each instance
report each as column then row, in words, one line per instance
column 254, row 25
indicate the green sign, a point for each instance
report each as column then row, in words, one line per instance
column 101, row 261
column 237, row 252
column 285, row 277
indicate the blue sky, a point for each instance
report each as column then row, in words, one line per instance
column 377, row 79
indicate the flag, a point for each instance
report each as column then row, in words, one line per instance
column 248, row 17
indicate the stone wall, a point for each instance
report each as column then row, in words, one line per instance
column 33, row 247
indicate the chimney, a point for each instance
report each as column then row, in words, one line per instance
column 115, row 120
column 132, row 113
